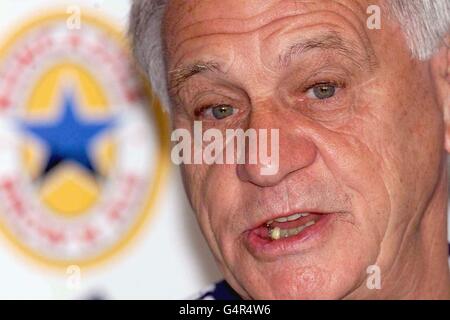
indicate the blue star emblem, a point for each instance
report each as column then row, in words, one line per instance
column 69, row 137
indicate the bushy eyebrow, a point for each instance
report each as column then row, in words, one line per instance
column 327, row 41
column 181, row 74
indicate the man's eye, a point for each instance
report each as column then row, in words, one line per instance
column 221, row 111
column 322, row 91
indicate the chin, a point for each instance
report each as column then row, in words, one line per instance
column 305, row 283
column 328, row 273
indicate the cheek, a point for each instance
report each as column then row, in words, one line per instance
column 410, row 142
column 349, row 155
column 395, row 159
column 424, row 143
column 214, row 192
column 414, row 123
column 222, row 197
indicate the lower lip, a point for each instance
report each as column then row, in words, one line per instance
column 270, row 249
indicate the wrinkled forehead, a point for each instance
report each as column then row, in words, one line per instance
column 187, row 22
column 194, row 11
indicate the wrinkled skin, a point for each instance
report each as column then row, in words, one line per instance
column 374, row 153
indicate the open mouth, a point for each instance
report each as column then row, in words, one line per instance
column 288, row 226
column 289, row 234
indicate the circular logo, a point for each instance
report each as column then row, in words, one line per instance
column 82, row 148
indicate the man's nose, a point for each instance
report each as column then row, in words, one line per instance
column 295, row 150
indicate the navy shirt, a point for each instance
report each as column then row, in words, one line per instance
column 219, row 291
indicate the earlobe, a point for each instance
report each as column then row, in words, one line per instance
column 446, row 100
column 447, row 136
column 441, row 73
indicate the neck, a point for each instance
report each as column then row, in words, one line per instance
column 429, row 276
column 424, row 271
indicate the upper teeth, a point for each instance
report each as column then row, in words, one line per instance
column 277, row 233
column 292, row 217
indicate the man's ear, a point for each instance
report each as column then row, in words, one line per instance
column 440, row 64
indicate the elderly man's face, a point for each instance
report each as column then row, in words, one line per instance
column 361, row 140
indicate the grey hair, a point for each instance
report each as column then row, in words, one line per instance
column 145, row 31
column 424, row 22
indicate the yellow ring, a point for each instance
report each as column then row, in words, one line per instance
column 162, row 159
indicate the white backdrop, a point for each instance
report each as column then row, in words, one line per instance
column 169, row 258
